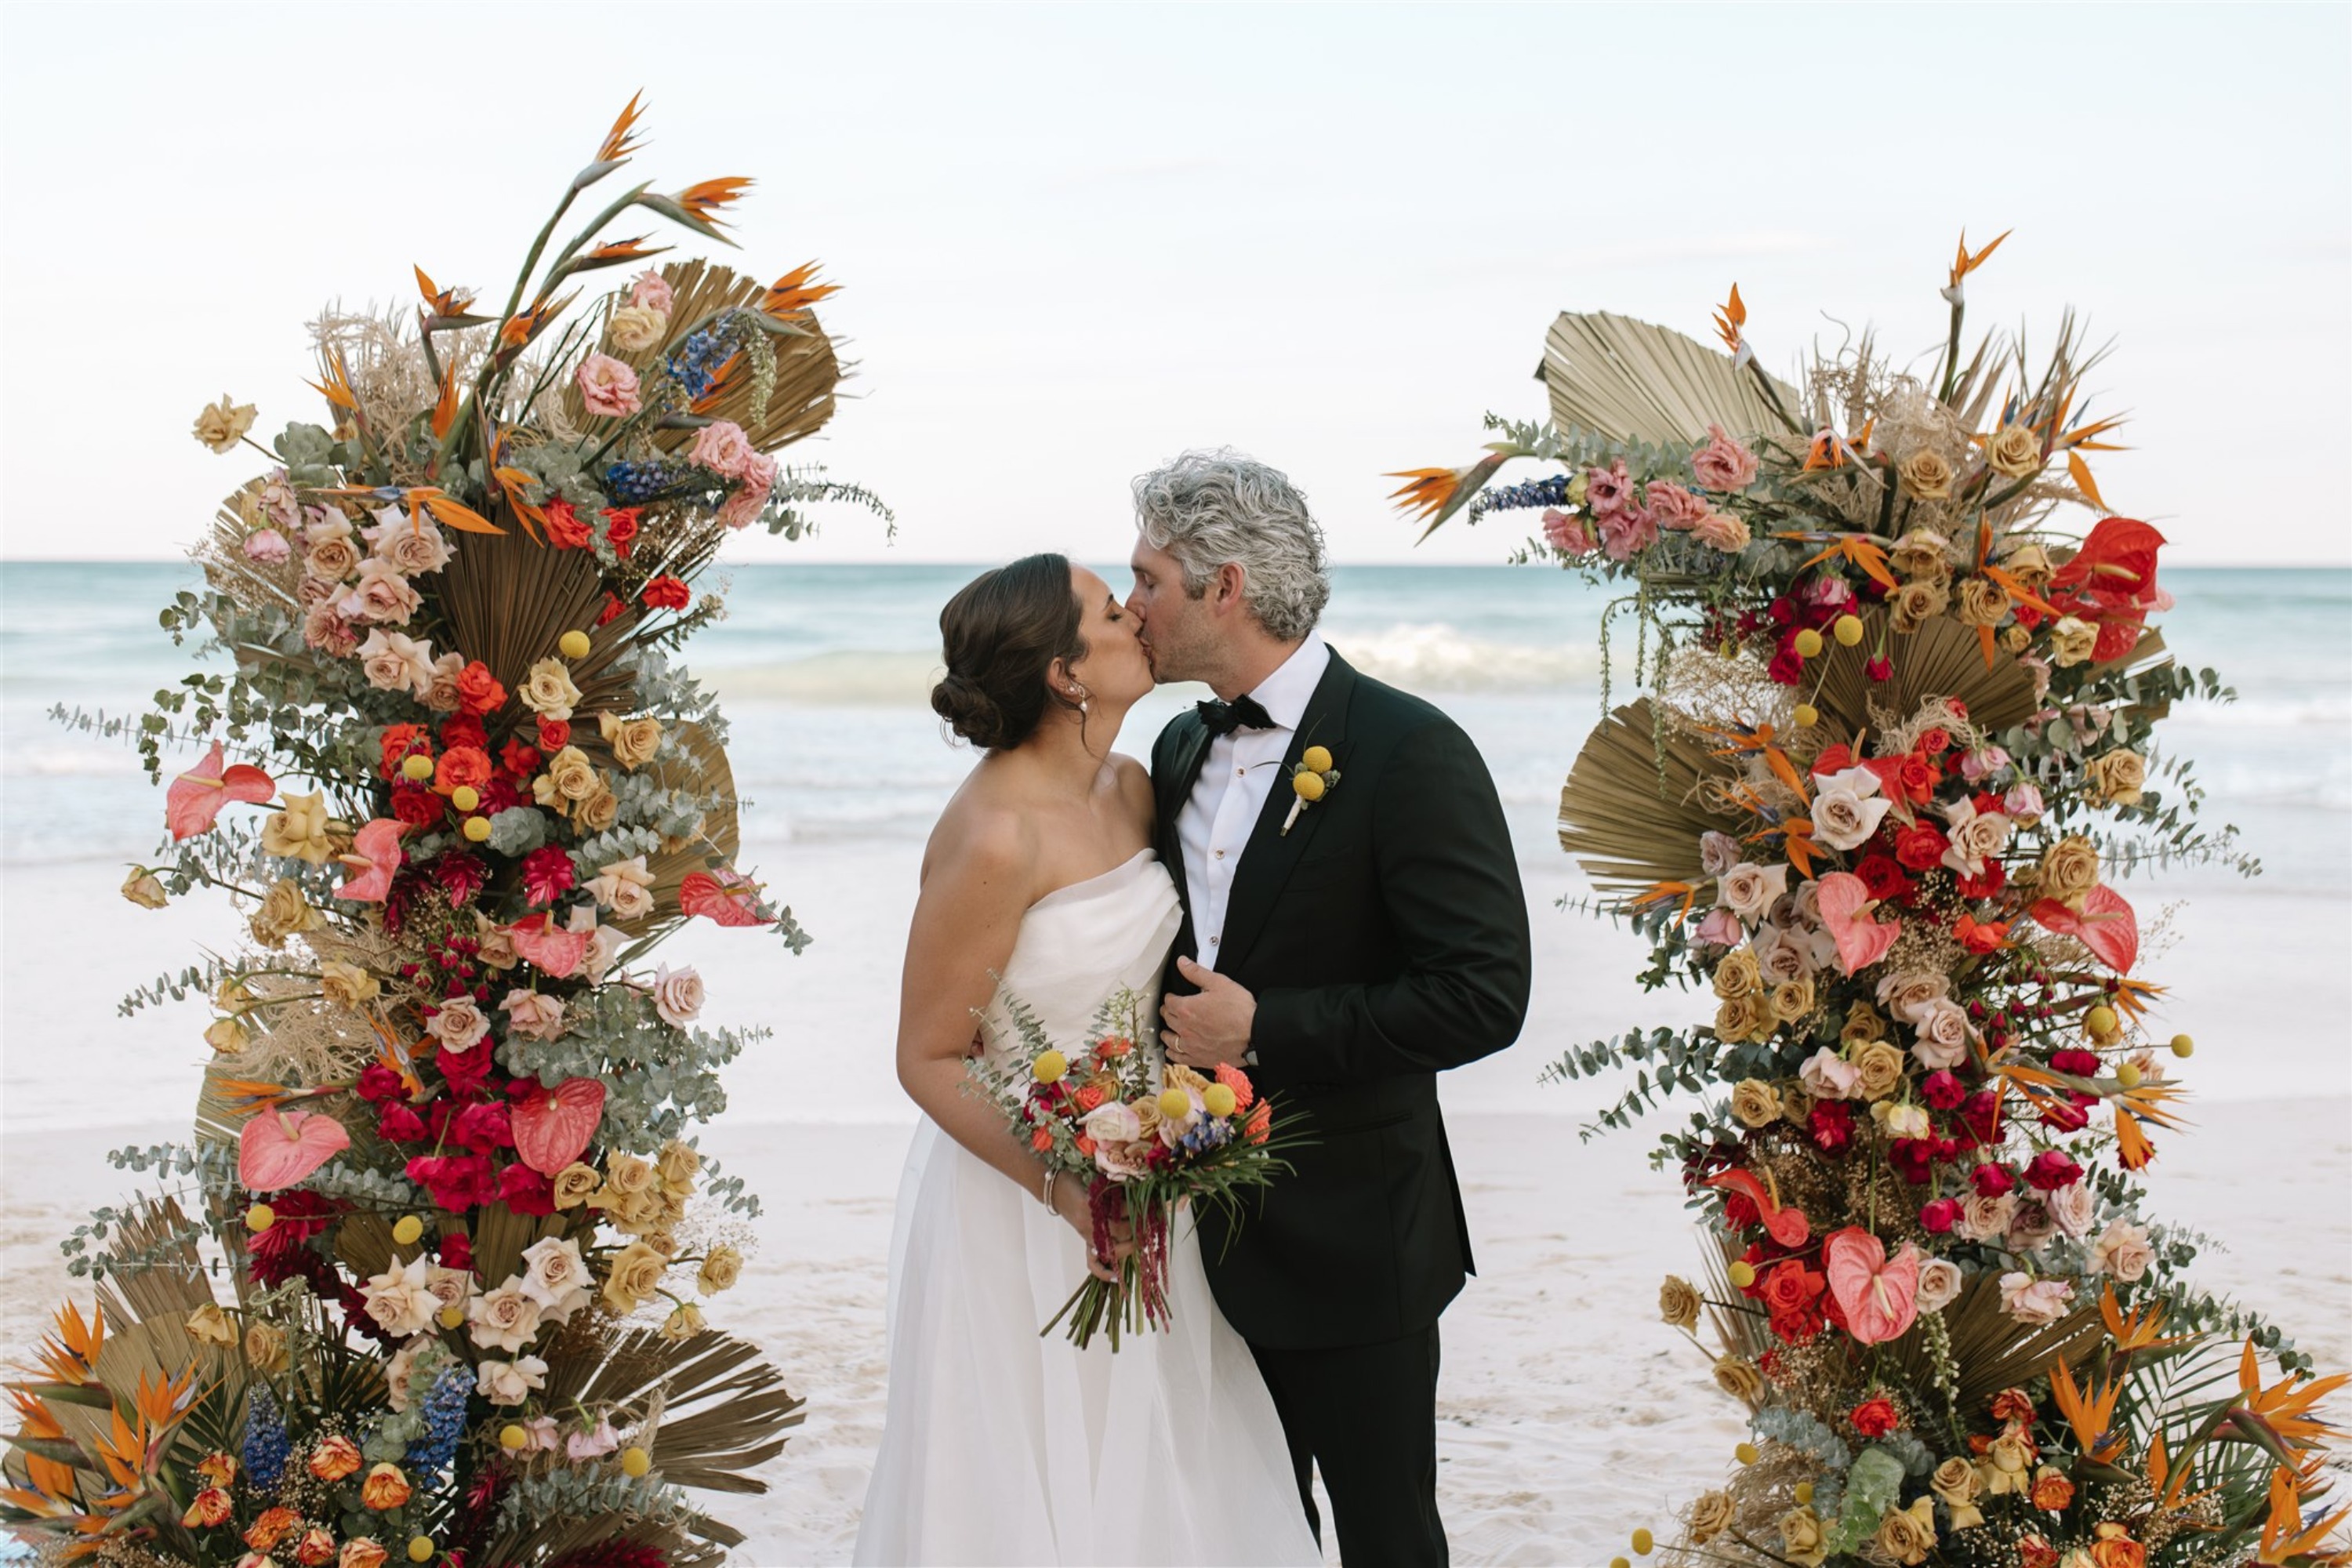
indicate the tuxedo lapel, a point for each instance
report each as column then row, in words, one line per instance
column 1270, row 853
column 1172, row 789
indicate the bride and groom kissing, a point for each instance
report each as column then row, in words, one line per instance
column 1343, row 955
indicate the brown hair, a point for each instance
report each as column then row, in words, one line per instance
column 1000, row 633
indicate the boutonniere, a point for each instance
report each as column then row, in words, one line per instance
column 1310, row 780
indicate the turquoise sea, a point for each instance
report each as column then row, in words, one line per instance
column 825, row 670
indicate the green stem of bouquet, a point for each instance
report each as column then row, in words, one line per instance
column 1952, row 355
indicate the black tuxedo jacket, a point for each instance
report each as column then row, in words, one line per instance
column 1385, row 938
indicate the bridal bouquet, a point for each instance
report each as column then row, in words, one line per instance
column 1142, row 1141
column 1896, row 758
column 459, row 790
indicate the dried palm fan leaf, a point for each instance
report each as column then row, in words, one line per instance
column 1942, row 658
column 501, row 1237
column 1632, row 381
column 1992, row 1350
column 508, row 598
column 807, row 370
column 698, row 767
column 723, row 1410
column 1630, row 822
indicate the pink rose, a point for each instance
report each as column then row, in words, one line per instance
column 269, row 547
column 1626, row 531
column 2123, row 1250
column 1674, row 507
column 607, row 386
column 1566, row 533
column 1721, row 928
column 323, row 627
column 1723, row 464
column 752, row 489
column 1828, row 1075
column 1606, row 489
column 2035, row 1301
column 533, row 1015
column 651, row 291
column 723, row 449
column 677, row 995
column 1982, row 764
column 1828, row 594
column 382, row 594
column 2023, row 801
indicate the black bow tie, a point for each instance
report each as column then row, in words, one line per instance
column 1241, row 713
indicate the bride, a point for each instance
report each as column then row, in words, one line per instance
column 1001, row 1446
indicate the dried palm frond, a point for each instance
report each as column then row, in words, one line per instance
column 699, row 768
column 1992, row 1350
column 1632, row 381
column 1633, row 810
column 509, row 599
column 1942, row 658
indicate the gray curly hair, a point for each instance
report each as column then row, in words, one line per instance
column 1206, row 508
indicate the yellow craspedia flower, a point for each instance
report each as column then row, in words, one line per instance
column 1218, row 1101
column 407, row 1228
column 1744, row 1453
column 2100, row 1021
column 1643, row 1543
column 1308, row 786
column 465, row 797
column 636, row 1462
column 1175, row 1104
column 260, row 1218
column 1807, row 715
column 417, row 768
column 477, row 829
column 1315, row 758
column 572, row 645
column 2182, row 1044
column 512, row 1436
column 1847, row 629
column 451, row 1316
column 420, row 1549
column 1051, row 1066
column 2128, row 1075
column 1808, row 643
column 1804, row 1491
column 1742, row 1273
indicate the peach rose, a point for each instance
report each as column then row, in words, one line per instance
column 677, row 995
column 556, row 1277
column 2034, row 1302
column 632, row 1278
column 411, row 546
column 504, row 1319
column 722, row 447
column 221, row 426
column 385, row 1488
column 393, row 662
column 380, row 594
column 607, row 386
column 633, row 740
column 1723, row 464
column 533, row 1015
column 650, row 290
column 1926, row 475
column 2123, row 1250
column 1722, row 532
column 547, row 690
column 1939, row 1284
column 510, row 1381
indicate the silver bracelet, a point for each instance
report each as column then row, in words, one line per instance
column 1045, row 1188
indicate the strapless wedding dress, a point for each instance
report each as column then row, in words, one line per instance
column 1002, row 1446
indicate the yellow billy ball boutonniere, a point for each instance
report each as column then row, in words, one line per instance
column 1311, row 779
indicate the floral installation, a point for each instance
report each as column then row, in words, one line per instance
column 1314, row 777
column 1143, row 1138
column 431, row 1283
column 1896, row 757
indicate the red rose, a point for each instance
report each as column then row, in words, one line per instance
column 1920, row 846
column 462, row 766
column 1980, row 936
column 478, row 690
column 564, row 529
column 2052, row 1169
column 402, row 741
column 2075, row 1063
column 667, row 594
column 1881, row 874
column 1991, row 1181
column 1830, row 1126
column 1935, row 742
column 554, row 734
column 519, row 760
column 1875, row 1418
column 1796, row 1328
column 612, row 610
column 466, row 1070
column 398, row 1124
column 1942, row 1090
column 1914, row 1159
column 2065, row 1118
column 378, row 1083
column 1995, row 877
column 621, row 529
column 525, row 1191
column 1792, row 1288
column 1918, row 777
column 1880, row 668
column 457, row 1182
column 1937, row 1218
column 415, row 806
column 465, row 730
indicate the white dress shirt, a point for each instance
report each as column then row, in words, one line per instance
column 1214, row 825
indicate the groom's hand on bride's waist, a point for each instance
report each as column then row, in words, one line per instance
column 1210, row 1026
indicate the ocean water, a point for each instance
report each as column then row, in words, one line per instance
column 825, row 670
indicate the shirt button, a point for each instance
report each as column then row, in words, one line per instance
column 1220, row 853
column 1241, row 772
column 1213, row 941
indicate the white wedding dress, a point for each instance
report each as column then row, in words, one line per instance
column 1002, row 1446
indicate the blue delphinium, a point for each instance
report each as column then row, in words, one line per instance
column 1552, row 491
column 694, row 364
column 633, row 484
column 266, row 1443
column 443, row 1408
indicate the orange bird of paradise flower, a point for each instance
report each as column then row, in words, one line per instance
column 705, row 197
column 1729, row 317
column 1963, row 264
column 790, row 297
column 623, row 139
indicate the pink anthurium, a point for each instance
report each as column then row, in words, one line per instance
column 1787, row 1226
column 1879, row 1296
column 726, row 896
column 552, row 1126
column 2106, row 926
column 554, row 950
column 377, row 856
column 1845, row 904
column 278, row 1148
column 197, row 798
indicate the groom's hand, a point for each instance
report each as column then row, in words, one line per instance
column 1211, row 1027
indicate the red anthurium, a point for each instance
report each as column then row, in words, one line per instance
column 197, row 798
column 726, row 896
column 278, row 1148
column 1787, row 1226
column 2111, row 582
column 552, row 1126
column 1878, row 1295
column 2106, row 926
column 555, row 952
column 376, row 857
column 1845, row 903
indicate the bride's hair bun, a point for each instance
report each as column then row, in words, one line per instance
column 1001, row 633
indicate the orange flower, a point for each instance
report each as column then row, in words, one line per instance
column 334, row 1458
column 2114, row 1548
column 2011, row 1405
column 2053, row 1491
column 217, row 1469
column 362, row 1552
column 705, row 197
column 317, row 1549
column 1111, row 1049
column 1260, row 1120
column 2032, row 1551
column 274, row 1526
column 211, row 1507
column 385, row 1488
column 791, row 295
column 1042, row 1140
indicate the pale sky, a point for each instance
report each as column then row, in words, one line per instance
column 1074, row 240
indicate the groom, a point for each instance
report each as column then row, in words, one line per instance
column 1343, row 957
